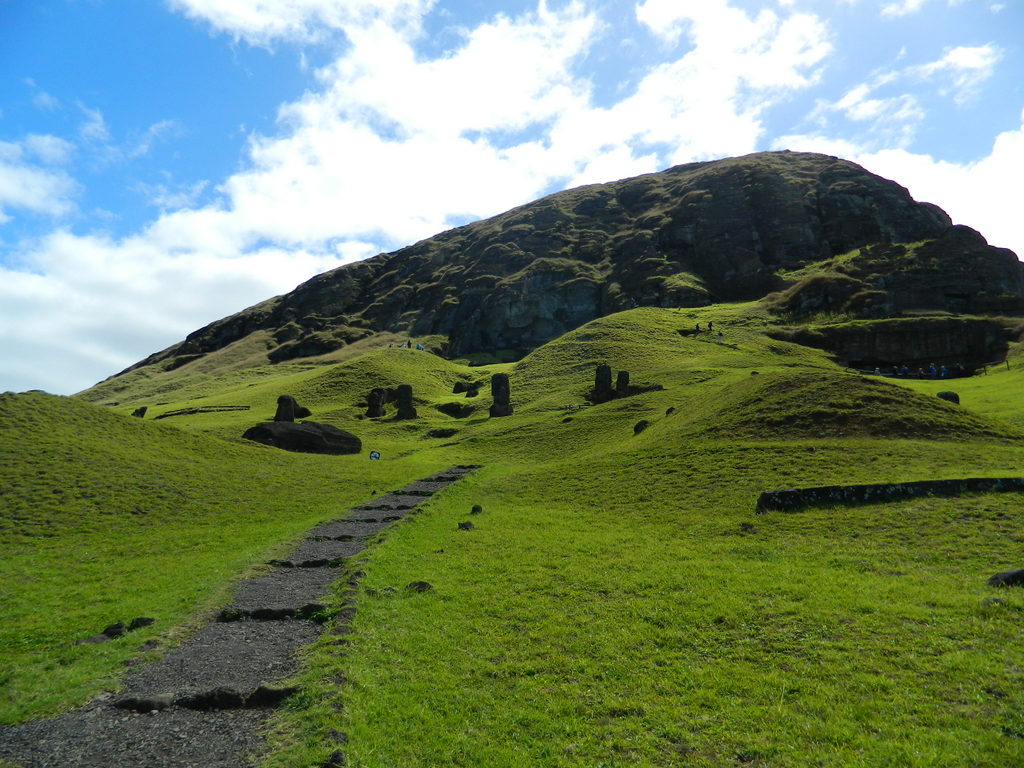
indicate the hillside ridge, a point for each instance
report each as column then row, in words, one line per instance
column 726, row 230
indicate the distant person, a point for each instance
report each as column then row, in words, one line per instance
column 721, row 337
column 944, row 372
column 932, row 370
column 711, row 325
column 698, row 328
column 904, row 371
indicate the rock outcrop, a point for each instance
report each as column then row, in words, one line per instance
column 913, row 341
column 958, row 272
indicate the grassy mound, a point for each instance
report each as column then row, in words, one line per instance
column 803, row 404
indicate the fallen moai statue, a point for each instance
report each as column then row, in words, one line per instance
column 305, row 437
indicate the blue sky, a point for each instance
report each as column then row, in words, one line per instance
column 165, row 163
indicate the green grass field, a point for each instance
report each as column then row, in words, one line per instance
column 618, row 602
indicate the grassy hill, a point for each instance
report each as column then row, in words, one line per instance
column 618, row 601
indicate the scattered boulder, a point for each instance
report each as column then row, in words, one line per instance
column 476, row 510
column 304, row 437
column 406, row 410
column 419, row 586
column 1014, row 578
column 640, row 426
column 140, row 413
column 952, row 397
column 502, row 405
column 117, row 629
column 466, row 526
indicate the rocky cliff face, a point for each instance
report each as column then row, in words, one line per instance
column 956, row 272
column 692, row 235
column 914, row 341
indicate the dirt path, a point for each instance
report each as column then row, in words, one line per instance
column 203, row 703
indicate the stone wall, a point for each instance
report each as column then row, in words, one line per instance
column 792, row 499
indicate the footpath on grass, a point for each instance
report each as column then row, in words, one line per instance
column 204, row 702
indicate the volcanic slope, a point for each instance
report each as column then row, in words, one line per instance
column 616, row 602
column 826, row 233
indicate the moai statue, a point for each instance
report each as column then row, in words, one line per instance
column 286, row 408
column 622, row 383
column 502, row 405
column 140, row 413
column 375, row 402
column 603, row 384
column 405, row 406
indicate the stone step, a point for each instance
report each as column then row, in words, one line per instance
column 222, row 697
column 323, row 550
column 220, row 657
column 280, row 593
column 359, row 529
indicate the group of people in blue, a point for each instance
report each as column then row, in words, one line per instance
column 931, row 372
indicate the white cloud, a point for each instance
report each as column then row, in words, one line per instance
column 262, row 21
column 45, row 101
column 51, row 150
column 893, row 119
column 29, row 187
column 94, row 303
column 153, row 133
column 983, row 194
column 95, row 127
column 965, row 69
column 169, row 197
column 903, row 7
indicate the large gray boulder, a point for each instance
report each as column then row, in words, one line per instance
column 304, row 437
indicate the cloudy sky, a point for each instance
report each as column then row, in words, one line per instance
column 165, row 163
